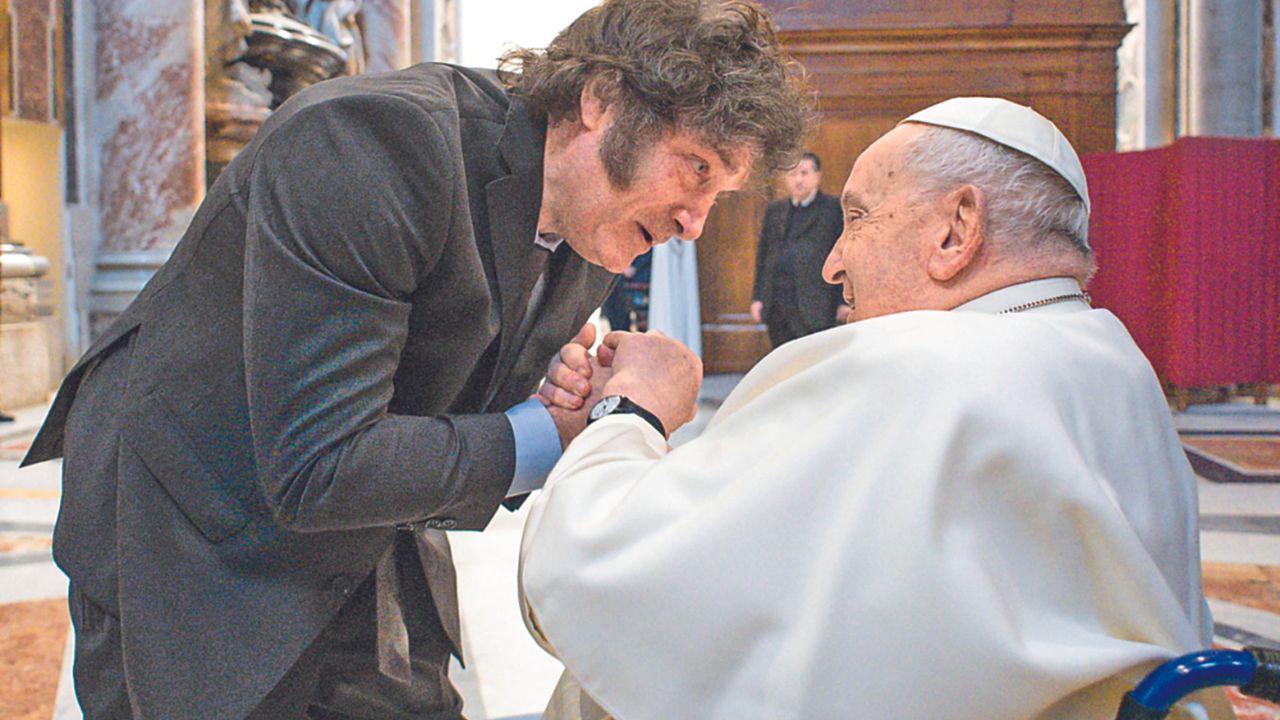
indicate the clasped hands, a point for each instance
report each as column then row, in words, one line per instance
column 656, row 372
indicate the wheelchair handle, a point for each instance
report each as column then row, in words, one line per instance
column 1256, row 670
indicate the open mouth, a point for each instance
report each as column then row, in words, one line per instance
column 647, row 237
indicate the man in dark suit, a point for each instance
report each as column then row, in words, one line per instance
column 263, row 452
column 789, row 295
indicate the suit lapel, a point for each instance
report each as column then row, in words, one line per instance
column 513, row 229
column 513, row 202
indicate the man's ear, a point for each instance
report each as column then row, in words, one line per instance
column 966, row 211
column 593, row 109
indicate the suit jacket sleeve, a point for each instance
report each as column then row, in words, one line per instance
column 759, row 289
column 350, row 204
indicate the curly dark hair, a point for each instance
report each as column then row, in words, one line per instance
column 711, row 67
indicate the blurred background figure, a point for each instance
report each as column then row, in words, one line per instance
column 673, row 293
column 789, row 295
column 627, row 307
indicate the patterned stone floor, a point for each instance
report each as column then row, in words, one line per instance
column 509, row 676
column 32, row 640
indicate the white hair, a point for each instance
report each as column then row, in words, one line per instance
column 1026, row 199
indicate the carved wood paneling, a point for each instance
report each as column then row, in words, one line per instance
column 793, row 15
column 876, row 61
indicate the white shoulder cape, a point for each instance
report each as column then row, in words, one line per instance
column 925, row 515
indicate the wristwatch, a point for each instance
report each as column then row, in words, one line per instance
column 618, row 404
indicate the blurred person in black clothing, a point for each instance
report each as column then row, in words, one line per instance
column 789, row 295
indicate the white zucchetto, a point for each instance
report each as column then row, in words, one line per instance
column 1014, row 126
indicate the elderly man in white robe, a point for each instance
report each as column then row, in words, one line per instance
column 967, row 502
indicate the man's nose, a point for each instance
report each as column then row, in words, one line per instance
column 689, row 221
column 833, row 267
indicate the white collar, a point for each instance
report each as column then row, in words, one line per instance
column 1012, row 296
column 548, row 241
column 805, row 202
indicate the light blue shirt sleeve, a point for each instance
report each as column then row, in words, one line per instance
column 537, row 446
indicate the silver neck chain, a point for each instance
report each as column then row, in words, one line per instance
column 1046, row 301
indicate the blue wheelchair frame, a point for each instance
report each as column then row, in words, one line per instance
column 1255, row 670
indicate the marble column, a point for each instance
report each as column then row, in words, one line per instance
column 1223, row 68
column 148, row 138
column 387, row 34
column 434, row 31
column 1147, row 77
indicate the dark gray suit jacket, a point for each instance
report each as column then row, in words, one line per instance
column 816, row 299
column 306, row 372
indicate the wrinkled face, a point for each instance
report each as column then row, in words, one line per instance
column 880, row 259
column 675, row 182
column 802, row 180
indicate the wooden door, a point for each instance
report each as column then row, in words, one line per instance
column 872, row 63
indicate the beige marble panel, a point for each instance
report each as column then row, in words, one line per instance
column 25, row 348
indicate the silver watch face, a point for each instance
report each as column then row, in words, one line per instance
column 605, row 406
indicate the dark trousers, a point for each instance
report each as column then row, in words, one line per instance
column 336, row 678
column 783, row 330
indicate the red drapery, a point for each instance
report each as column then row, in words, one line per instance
column 1188, row 246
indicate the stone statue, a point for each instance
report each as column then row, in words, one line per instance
column 337, row 20
column 282, row 7
column 238, row 97
column 227, row 78
column 260, row 52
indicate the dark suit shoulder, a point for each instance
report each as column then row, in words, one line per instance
column 406, row 107
column 827, row 202
column 775, row 215
column 777, row 206
column 360, row 183
column 831, row 217
column 432, row 86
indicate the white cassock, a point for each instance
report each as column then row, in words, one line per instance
column 943, row 515
column 673, row 293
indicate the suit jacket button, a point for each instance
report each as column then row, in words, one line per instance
column 342, row 586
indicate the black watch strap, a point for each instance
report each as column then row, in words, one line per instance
column 617, row 405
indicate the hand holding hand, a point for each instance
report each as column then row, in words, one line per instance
column 571, row 422
column 655, row 372
column 569, row 374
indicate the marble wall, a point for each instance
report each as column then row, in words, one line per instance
column 1146, row 84
column 149, row 120
column 1197, row 67
column 144, row 131
column 1222, row 63
column 141, row 131
column 386, row 34
column 30, row 341
column 35, row 25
